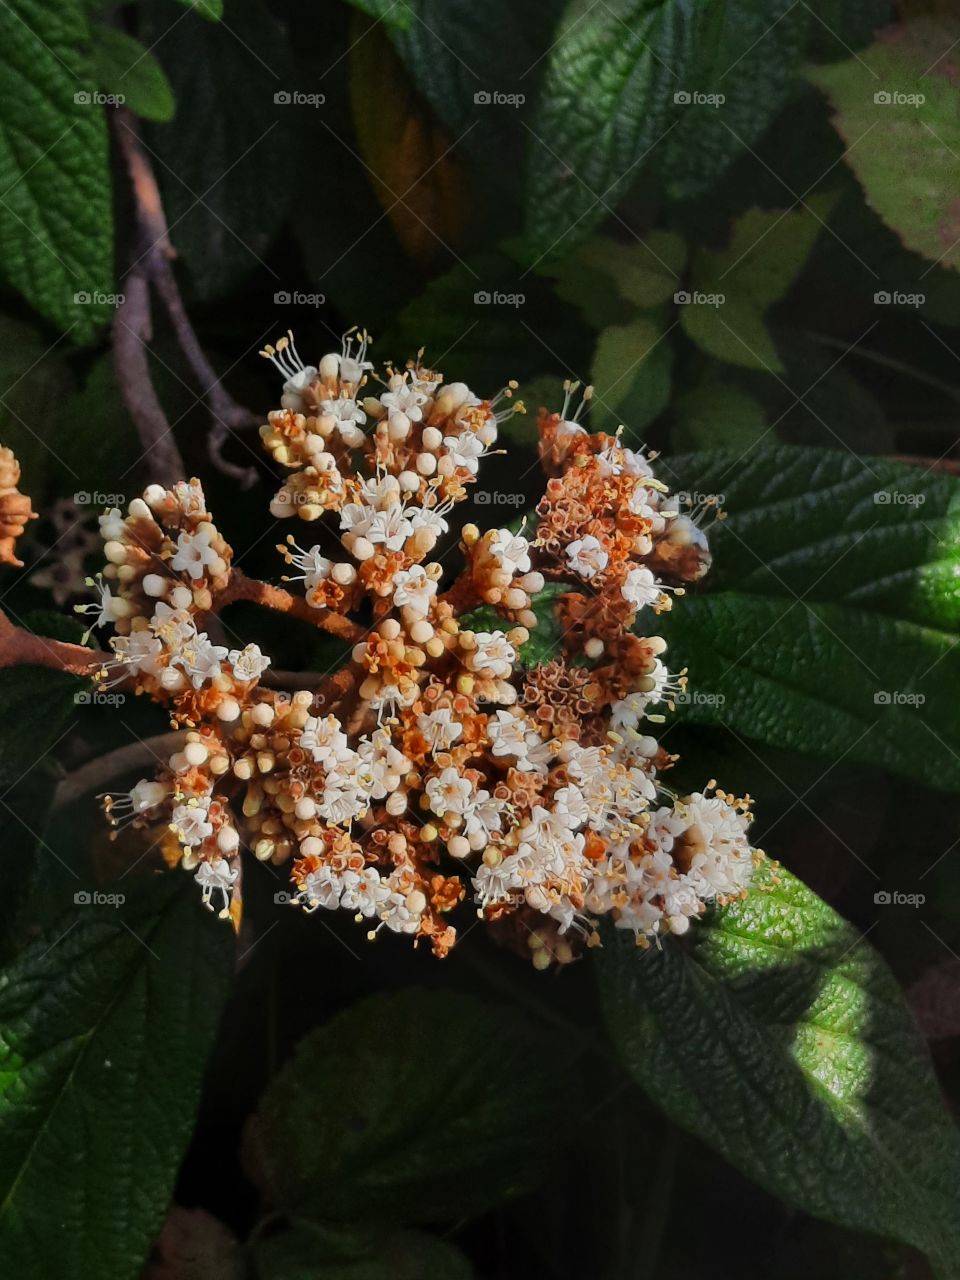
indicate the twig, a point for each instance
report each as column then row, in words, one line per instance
column 151, row 266
column 240, row 587
column 96, row 772
column 22, row 648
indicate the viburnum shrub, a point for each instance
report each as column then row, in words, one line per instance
column 450, row 762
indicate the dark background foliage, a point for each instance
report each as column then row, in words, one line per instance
column 542, row 192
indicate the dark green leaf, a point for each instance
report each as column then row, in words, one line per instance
column 125, row 68
column 56, row 219
column 780, row 1037
column 832, row 616
column 417, row 1106
column 631, row 374
column 717, row 416
column 41, row 699
column 225, row 168
column 106, row 1026
column 393, row 13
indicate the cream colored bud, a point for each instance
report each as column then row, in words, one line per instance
column 343, row 574
column 115, row 552
column 432, row 438
column 329, row 368
column 195, row 753
column 229, row 709
column 155, row 585
column 458, row 846
column 181, row 597
column 421, row 631
column 305, row 809
column 426, row 464
column 243, row 769
column 139, row 509
column 360, row 548
column 262, row 713
column 228, row 839
column 594, row 647
column 409, row 481
column 153, row 496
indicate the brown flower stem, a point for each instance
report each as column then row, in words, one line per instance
column 462, row 596
column 23, row 648
column 240, row 587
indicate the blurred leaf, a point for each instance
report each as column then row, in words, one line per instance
column 631, row 375
column 780, row 1038
column 841, row 29
column 747, row 52
column 100, row 1067
column 306, row 1253
column 124, row 67
column 194, row 1245
column 603, row 107
column 393, row 13
column 645, row 273
column 212, row 10
column 410, row 160
column 35, row 382
column 717, row 416
column 456, row 1105
column 895, row 109
column 44, row 700
column 733, row 330
column 56, row 216
column 226, row 179
column 832, row 621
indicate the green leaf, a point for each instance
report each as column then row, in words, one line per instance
column 456, row 1106
column 732, row 329
column 125, row 68
column 631, row 375
column 393, row 13
column 545, row 637
column 306, row 1253
column 832, row 616
column 56, row 217
column 717, row 416
column 779, row 1037
column 107, row 1022
column 226, row 179
column 904, row 148
column 645, row 273
column 603, row 107
column 42, row 699
column 212, row 10
column 38, row 383
column 747, row 52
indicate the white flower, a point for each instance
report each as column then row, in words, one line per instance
column 499, row 883
column 191, row 822
column 440, row 728
column 140, row 650
column 103, row 606
column 147, row 794
column 429, row 518
column 340, row 804
column 325, row 740
column 316, row 567
column 587, row 557
column 512, row 550
column 482, row 819
column 217, row 876
column 640, row 588
column 405, row 399
column 200, row 659
column 465, row 450
column 194, row 553
column 571, row 808
column 493, row 655
column 321, row 888
column 449, row 793
column 383, row 765
column 112, row 525
column 508, row 733
column 355, row 517
column 391, row 527
column 173, row 626
column 345, row 412
column 414, row 589
column 363, row 891
column 248, row 663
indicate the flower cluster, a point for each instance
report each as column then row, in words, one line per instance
column 15, row 508
column 451, row 760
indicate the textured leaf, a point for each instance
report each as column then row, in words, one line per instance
column 781, row 1039
column 603, row 107
column 631, row 375
column 748, row 51
column 905, row 148
column 226, row 180
column 418, row 1106
column 124, row 67
column 310, row 1254
column 42, row 699
column 56, row 218
column 36, row 381
column 645, row 273
column 106, row 1025
column 832, row 616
